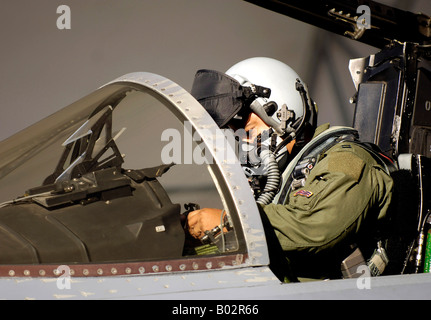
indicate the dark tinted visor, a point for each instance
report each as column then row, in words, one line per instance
column 221, row 95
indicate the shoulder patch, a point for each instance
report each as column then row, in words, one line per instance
column 347, row 163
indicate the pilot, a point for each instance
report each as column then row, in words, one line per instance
column 333, row 191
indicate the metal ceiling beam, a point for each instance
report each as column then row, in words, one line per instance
column 340, row 17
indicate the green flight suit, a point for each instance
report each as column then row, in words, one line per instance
column 343, row 198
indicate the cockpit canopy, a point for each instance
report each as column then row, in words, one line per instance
column 109, row 179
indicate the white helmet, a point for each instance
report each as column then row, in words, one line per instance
column 275, row 75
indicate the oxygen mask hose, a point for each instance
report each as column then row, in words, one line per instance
column 273, row 177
